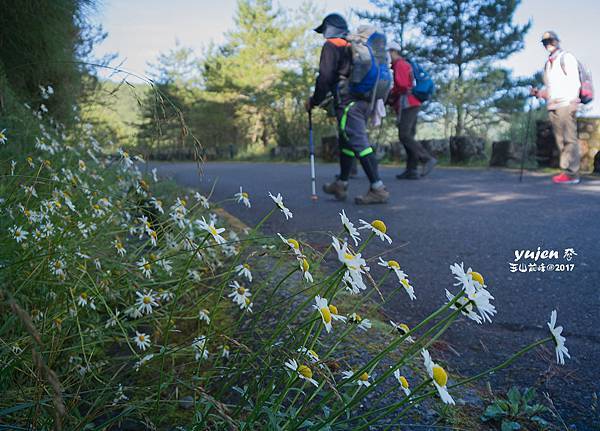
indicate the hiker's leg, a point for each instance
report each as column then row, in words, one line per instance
column 570, row 157
column 358, row 140
column 406, row 129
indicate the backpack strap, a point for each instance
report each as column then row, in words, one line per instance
column 339, row 42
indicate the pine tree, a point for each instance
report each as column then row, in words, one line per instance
column 463, row 37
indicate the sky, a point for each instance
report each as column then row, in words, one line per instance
column 138, row 30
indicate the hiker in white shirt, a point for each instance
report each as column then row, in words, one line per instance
column 561, row 91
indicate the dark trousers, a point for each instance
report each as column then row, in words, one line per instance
column 406, row 120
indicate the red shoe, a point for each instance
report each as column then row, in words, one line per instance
column 565, row 179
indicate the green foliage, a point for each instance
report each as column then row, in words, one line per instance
column 518, row 411
column 40, row 43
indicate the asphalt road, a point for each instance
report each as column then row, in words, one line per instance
column 476, row 216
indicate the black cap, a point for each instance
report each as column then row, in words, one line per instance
column 550, row 35
column 334, row 19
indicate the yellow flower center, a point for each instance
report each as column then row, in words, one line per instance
column 333, row 309
column 241, row 290
column 247, row 301
column 83, row 295
column 213, row 230
column 364, row 377
column 393, row 264
column 348, row 256
column 405, row 283
column 96, row 206
column 47, row 163
column 477, row 277
column 379, row 225
column 29, row 160
column 57, row 264
column 183, row 202
column 314, row 354
column 305, row 266
column 142, row 338
column 439, row 375
column 17, row 233
column 304, row 371
column 147, row 266
column 146, row 300
column 294, row 243
column 326, row 314
column 246, row 266
column 356, row 317
column 125, row 154
column 245, row 195
column 153, row 234
column 404, row 382
column 404, row 328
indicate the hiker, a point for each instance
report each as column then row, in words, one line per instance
column 561, row 91
column 352, row 112
column 407, row 107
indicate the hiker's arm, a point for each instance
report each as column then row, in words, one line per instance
column 327, row 73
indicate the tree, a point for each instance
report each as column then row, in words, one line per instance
column 397, row 17
column 263, row 53
column 461, row 36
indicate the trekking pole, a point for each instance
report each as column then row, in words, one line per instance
column 526, row 138
column 314, row 196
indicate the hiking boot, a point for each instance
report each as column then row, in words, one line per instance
column 428, row 166
column 564, row 178
column 408, row 175
column 373, row 196
column 336, row 188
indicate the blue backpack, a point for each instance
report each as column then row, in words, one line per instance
column 424, row 86
column 370, row 77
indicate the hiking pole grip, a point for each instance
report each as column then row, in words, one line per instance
column 311, row 148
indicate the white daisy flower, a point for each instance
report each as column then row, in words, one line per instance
column 279, row 202
column 363, row 379
column 438, row 376
column 247, row 305
column 125, row 158
column 311, row 354
column 349, row 227
column 83, row 300
column 199, row 346
column 393, row 266
column 145, row 301
column 292, row 244
column 157, row 204
column 378, row 228
column 204, row 315
column 476, row 297
column 403, row 382
column 244, row 271
column 322, row 306
column 225, row 352
column 559, row 340
column 353, row 282
column 202, row 199
column 302, row 371
column 3, row 137
column 145, row 266
column 409, row 289
column 141, row 340
column 403, row 329
column 113, row 320
column 353, row 262
column 142, row 361
column 154, row 175
column 165, row 295
column 210, row 228
column 304, row 267
column 18, row 233
column 364, row 324
column 239, row 294
column 242, row 197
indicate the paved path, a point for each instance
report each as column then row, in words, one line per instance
column 473, row 215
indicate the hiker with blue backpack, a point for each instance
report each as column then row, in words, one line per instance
column 353, row 69
column 412, row 86
column 567, row 83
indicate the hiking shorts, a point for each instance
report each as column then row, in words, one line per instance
column 352, row 123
